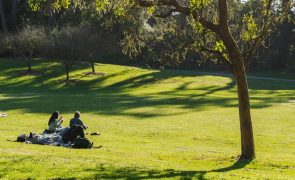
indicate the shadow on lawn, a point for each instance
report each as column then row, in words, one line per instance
column 102, row 172
column 114, row 99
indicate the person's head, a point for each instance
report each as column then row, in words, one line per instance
column 22, row 138
column 53, row 117
column 77, row 114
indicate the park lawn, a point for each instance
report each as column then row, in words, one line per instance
column 153, row 124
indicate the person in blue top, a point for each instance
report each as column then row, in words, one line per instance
column 77, row 121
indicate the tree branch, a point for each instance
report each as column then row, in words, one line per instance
column 178, row 7
column 167, row 14
column 218, row 54
column 223, row 16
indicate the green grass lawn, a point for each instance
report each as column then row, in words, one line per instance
column 153, row 124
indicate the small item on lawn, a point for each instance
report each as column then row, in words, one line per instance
column 94, row 133
column 3, row 114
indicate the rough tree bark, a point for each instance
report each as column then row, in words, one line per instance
column 237, row 62
column 247, row 139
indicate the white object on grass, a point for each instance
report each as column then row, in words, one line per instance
column 3, row 115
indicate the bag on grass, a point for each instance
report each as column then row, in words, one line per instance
column 82, row 143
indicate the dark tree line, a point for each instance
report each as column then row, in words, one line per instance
column 16, row 14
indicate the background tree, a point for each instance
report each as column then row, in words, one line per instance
column 280, row 52
column 94, row 43
column 27, row 43
column 230, row 40
column 64, row 46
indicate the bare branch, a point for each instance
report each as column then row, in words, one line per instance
column 181, row 9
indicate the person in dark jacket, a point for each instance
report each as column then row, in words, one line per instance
column 77, row 121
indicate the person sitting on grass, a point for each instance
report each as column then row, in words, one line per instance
column 54, row 122
column 73, row 133
column 77, row 121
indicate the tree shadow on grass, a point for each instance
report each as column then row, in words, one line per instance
column 114, row 98
column 102, row 172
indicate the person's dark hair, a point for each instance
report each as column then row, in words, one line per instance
column 22, row 138
column 53, row 117
column 77, row 114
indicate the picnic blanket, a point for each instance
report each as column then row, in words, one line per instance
column 53, row 139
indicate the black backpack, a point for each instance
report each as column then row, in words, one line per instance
column 82, row 143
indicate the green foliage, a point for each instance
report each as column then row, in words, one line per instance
column 132, row 45
column 250, row 22
column 102, row 5
column 199, row 4
column 118, row 8
column 249, row 31
column 140, row 40
column 41, row 5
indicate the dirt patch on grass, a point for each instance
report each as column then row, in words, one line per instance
column 30, row 73
column 94, row 74
column 68, row 82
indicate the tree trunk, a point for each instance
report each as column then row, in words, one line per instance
column 51, row 15
column 92, row 65
column 238, row 67
column 3, row 19
column 67, row 72
column 247, row 139
column 29, row 65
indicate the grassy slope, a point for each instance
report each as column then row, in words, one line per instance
column 169, row 124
